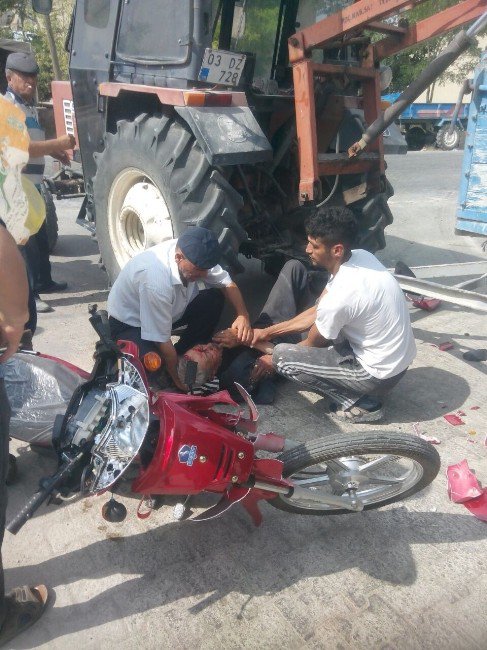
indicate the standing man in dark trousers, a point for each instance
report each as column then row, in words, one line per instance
column 21, row 70
column 23, row 605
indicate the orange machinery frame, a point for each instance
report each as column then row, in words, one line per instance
column 342, row 27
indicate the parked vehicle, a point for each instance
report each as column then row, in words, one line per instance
column 223, row 115
column 117, row 433
column 423, row 124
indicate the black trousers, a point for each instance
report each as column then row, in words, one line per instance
column 295, row 290
column 200, row 317
column 31, row 277
column 4, row 426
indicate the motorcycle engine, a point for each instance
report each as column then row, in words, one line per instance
column 116, row 420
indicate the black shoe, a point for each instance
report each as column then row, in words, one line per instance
column 51, row 287
column 42, row 307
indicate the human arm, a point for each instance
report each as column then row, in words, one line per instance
column 54, row 147
column 315, row 339
column 242, row 322
column 13, row 295
column 170, row 358
column 299, row 323
column 228, row 339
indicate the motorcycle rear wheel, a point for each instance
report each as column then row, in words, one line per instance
column 382, row 467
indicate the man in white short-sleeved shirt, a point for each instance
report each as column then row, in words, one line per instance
column 177, row 282
column 359, row 341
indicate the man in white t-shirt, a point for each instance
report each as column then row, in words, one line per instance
column 360, row 340
column 172, row 284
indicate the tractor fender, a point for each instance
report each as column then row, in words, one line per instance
column 227, row 135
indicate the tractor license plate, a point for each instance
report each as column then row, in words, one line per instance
column 220, row 67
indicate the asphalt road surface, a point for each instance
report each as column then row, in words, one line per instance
column 409, row 576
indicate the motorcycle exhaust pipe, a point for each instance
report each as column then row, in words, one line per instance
column 296, row 492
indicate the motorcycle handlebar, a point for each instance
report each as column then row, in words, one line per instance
column 15, row 524
column 99, row 322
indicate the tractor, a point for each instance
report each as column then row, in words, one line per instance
column 235, row 115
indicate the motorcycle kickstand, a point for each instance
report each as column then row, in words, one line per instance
column 182, row 509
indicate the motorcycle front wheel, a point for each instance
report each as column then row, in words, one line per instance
column 377, row 467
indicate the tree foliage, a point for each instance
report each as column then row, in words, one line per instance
column 406, row 66
column 31, row 28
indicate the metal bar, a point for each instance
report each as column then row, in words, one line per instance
column 348, row 19
column 308, row 495
column 440, row 23
column 455, row 295
column 386, row 28
column 169, row 96
column 304, row 97
column 347, row 70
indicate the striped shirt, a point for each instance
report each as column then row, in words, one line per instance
column 150, row 294
column 34, row 170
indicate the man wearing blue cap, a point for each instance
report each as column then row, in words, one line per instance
column 21, row 70
column 172, row 284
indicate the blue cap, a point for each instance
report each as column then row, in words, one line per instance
column 22, row 62
column 200, row 246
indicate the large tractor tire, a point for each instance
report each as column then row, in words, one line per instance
column 448, row 141
column 152, row 182
column 415, row 138
column 51, row 217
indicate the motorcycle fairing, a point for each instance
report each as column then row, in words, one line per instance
column 268, row 470
column 195, row 452
column 39, row 388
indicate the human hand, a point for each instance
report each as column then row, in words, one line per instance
column 259, row 335
column 243, row 329
column 63, row 158
column 262, row 368
column 10, row 338
column 226, row 338
column 66, row 141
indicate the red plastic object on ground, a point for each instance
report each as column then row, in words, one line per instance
column 428, row 304
column 462, row 483
column 478, row 506
column 453, row 419
column 447, row 345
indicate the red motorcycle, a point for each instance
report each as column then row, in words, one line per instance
column 117, row 430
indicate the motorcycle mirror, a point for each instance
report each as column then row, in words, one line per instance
column 42, row 6
column 113, row 511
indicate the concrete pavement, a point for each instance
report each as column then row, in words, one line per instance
column 409, row 576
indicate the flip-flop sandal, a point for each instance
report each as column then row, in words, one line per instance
column 24, row 606
column 358, row 415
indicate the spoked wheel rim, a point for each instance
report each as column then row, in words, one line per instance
column 372, row 478
column 138, row 216
column 450, row 139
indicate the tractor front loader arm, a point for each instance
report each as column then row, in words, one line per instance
column 337, row 31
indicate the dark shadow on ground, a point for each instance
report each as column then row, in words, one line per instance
column 413, row 253
column 417, row 397
column 75, row 246
column 181, row 560
column 462, row 343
